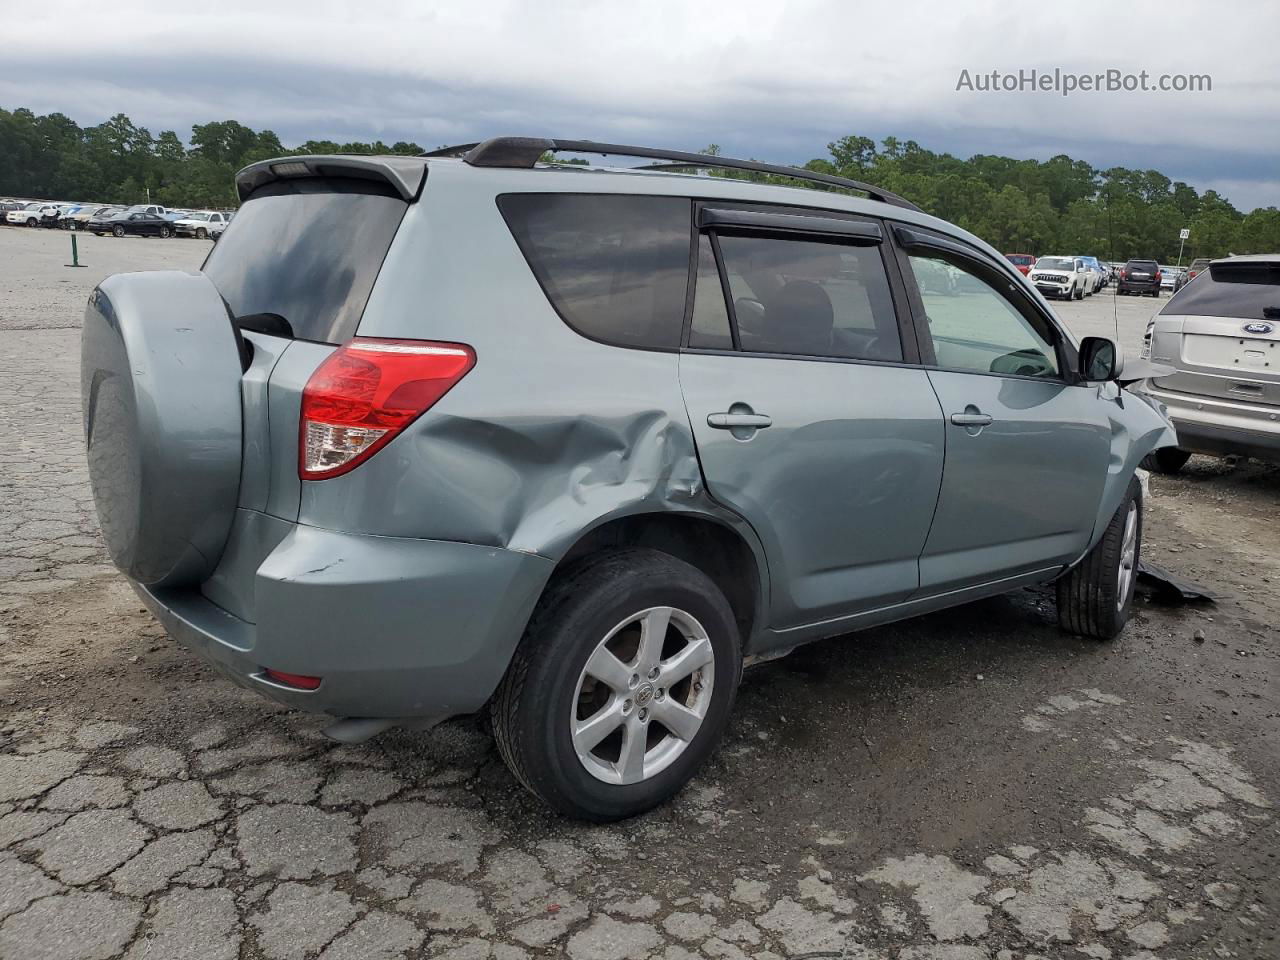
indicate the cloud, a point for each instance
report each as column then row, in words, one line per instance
column 775, row 80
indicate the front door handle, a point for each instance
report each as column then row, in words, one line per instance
column 727, row 421
column 970, row 419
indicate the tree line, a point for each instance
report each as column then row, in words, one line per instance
column 1059, row 205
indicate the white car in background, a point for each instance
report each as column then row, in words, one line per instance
column 215, row 229
column 1067, row 277
column 32, row 213
column 201, row 223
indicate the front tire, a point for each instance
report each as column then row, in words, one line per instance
column 117, row 231
column 1096, row 595
column 202, row 233
column 622, row 685
column 164, row 233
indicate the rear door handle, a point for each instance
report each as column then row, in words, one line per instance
column 727, row 421
column 971, row 419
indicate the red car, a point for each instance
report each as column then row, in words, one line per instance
column 1023, row 261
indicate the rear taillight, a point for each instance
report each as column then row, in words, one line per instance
column 368, row 391
column 1124, row 274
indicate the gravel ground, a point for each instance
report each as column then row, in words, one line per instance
column 970, row 785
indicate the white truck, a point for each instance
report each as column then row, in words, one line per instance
column 201, row 224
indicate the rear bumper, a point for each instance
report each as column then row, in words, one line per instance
column 1138, row 286
column 395, row 628
column 1220, row 427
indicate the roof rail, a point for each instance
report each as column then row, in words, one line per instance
column 527, row 151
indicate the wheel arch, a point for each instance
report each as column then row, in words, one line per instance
column 726, row 553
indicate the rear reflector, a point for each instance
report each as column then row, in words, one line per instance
column 297, row 680
column 368, row 391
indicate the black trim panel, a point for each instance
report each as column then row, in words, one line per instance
column 851, row 231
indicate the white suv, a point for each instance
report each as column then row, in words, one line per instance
column 1061, row 277
column 31, row 214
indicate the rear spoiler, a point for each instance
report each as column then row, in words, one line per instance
column 405, row 175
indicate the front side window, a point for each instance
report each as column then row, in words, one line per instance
column 811, row 298
column 616, row 268
column 975, row 327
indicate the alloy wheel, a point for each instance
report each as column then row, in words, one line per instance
column 642, row 696
column 1128, row 555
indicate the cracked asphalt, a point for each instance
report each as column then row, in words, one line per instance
column 974, row 785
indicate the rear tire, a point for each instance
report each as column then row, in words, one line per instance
column 1166, row 460
column 1096, row 595
column 590, row 618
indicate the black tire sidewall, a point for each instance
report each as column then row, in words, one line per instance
column 653, row 580
column 1112, row 545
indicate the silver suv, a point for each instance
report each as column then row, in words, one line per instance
column 1221, row 334
column 473, row 431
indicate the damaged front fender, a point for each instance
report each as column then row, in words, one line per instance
column 1138, row 426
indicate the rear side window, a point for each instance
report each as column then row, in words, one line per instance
column 810, row 298
column 1248, row 291
column 307, row 251
column 710, row 328
column 616, row 268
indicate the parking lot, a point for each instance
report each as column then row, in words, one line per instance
column 974, row 784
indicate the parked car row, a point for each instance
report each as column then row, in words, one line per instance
column 1076, row 277
column 143, row 219
column 1064, row 277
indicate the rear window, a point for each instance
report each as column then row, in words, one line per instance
column 1148, row 265
column 1247, row 291
column 307, row 251
column 616, row 268
column 1021, row 260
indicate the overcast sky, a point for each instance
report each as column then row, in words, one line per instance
column 775, row 81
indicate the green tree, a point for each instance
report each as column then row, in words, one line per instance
column 1059, row 205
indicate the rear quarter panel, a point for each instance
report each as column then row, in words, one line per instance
column 548, row 436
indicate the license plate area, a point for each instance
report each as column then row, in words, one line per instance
column 1234, row 353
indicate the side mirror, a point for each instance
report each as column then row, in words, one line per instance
column 1100, row 359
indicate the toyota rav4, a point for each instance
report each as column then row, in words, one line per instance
column 473, row 431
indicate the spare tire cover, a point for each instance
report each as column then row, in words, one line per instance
column 160, row 386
